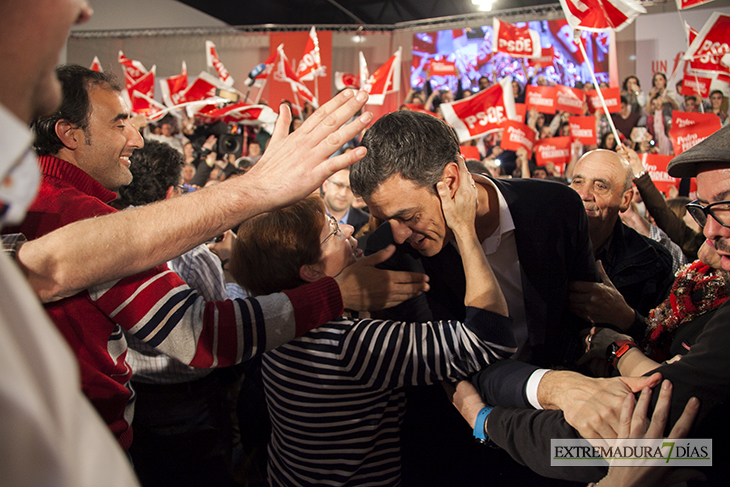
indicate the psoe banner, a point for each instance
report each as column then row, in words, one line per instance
column 482, row 113
column 569, row 100
column 612, row 97
column 583, row 129
column 688, row 137
column 553, row 149
column 517, row 135
column 541, row 97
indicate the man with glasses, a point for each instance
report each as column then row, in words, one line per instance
column 703, row 342
column 338, row 199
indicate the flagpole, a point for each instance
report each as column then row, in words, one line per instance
column 600, row 94
column 694, row 73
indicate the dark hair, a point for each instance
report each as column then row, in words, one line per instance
column 658, row 73
column 155, row 168
column 539, row 168
column 717, row 91
column 76, row 81
column 624, row 100
column 413, row 144
column 477, row 167
column 272, row 247
column 604, row 139
column 625, row 84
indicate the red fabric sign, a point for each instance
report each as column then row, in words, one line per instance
column 541, row 97
column 569, row 100
column 583, row 129
column 520, row 112
column 470, row 152
column 517, row 135
column 599, row 15
column 553, row 149
column 612, row 96
column 683, row 4
column 547, row 55
column 687, row 137
column 681, row 120
column 696, row 85
column 515, row 41
column 710, row 45
column 656, row 166
column 482, row 113
column 442, row 68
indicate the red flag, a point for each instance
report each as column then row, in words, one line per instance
column 442, row 68
column 683, row 4
column 285, row 73
column 237, row 113
column 213, row 61
column 612, row 96
column 202, row 87
column 133, row 70
column 311, row 61
column 515, row 41
column 600, row 15
column 173, row 87
column 656, row 166
column 541, row 97
column 96, row 65
column 385, row 80
column 346, row 80
column 547, row 56
column 569, row 99
column 687, row 137
column 146, row 86
column 553, row 149
column 482, row 113
column 583, row 129
column 696, row 85
column 516, row 135
column 711, row 44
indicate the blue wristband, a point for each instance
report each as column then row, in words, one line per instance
column 479, row 430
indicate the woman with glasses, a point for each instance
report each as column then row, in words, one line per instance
column 335, row 394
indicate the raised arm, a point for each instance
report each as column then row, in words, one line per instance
column 107, row 248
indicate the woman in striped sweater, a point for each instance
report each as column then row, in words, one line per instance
column 335, row 394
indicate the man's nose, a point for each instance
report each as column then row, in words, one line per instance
column 400, row 231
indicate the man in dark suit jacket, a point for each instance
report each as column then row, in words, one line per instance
column 338, row 199
column 535, row 235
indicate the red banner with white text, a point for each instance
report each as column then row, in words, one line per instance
column 541, row 97
column 569, row 99
column 553, row 149
column 687, row 137
column 612, row 96
column 517, row 135
column 482, row 113
column 515, row 41
column 583, row 129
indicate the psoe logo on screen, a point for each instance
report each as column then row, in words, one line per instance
column 620, row 452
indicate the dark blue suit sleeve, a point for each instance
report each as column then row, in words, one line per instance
column 503, row 383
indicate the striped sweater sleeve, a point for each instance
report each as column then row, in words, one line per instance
column 158, row 308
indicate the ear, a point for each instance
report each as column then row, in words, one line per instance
column 451, row 177
column 170, row 192
column 68, row 134
column 311, row 273
column 626, row 199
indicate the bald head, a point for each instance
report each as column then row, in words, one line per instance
column 602, row 178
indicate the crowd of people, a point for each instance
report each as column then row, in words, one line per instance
column 173, row 314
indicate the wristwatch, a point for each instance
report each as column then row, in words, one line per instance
column 617, row 349
column 480, row 433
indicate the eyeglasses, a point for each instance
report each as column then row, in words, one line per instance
column 720, row 211
column 340, row 185
column 333, row 223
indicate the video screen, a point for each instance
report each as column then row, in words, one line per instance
column 467, row 55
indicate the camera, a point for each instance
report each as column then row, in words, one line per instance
column 231, row 141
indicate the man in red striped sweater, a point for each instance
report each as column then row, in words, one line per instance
column 85, row 148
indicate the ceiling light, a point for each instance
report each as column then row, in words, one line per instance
column 484, row 5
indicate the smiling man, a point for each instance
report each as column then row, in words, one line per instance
column 338, row 199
